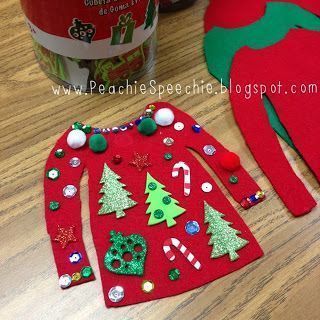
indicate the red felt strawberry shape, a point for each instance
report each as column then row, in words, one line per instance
column 82, row 31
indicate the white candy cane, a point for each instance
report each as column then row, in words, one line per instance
column 187, row 176
column 170, row 255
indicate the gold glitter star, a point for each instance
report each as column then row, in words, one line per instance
column 140, row 161
column 64, row 236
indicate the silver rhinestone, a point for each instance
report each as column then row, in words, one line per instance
column 116, row 294
column 65, row 281
column 209, row 150
column 69, row 191
column 168, row 141
column 75, row 162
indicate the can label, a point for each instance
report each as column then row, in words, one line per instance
column 91, row 29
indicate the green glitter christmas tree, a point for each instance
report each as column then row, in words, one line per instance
column 162, row 207
column 224, row 239
column 116, row 198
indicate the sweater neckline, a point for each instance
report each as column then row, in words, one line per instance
column 115, row 128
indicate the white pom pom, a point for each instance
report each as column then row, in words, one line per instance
column 164, row 117
column 76, row 139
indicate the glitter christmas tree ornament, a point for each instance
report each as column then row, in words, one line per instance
column 224, row 239
column 126, row 255
column 116, row 198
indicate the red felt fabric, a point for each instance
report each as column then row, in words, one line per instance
column 157, row 265
column 235, row 13
column 293, row 61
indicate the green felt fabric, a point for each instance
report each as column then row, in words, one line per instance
column 220, row 44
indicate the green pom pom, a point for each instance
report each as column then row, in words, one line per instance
column 147, row 127
column 98, row 143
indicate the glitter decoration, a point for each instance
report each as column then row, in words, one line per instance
column 64, row 236
column 206, row 187
column 192, row 227
column 168, row 156
column 86, row 128
column 65, row 281
column 260, row 194
column 116, row 198
column 86, row 272
column 54, row 205
column 196, row 128
column 69, row 191
column 158, row 214
column 117, row 159
column 59, row 153
column 127, row 254
column 53, row 174
column 75, row 162
column 75, row 257
column 140, row 161
column 233, row 179
column 209, row 150
column 76, row 276
column 169, row 209
column 147, row 286
column 224, row 239
column 77, row 126
column 168, row 141
column 174, row 274
column 178, row 126
column 116, row 294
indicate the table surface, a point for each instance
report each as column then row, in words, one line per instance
column 284, row 284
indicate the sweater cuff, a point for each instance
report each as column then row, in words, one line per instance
column 72, row 264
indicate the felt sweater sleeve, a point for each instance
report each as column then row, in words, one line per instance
column 63, row 212
column 246, row 191
column 248, row 68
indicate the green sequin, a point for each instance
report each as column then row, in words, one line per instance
column 158, row 214
column 168, row 156
column 86, row 272
column 54, row 205
column 77, row 126
column 127, row 254
column 166, row 200
column 224, row 239
column 87, row 129
column 59, row 153
column 174, row 274
column 233, row 179
column 152, row 186
column 53, row 174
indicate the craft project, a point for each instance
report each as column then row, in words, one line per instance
column 162, row 207
column 221, row 44
column 224, row 239
column 133, row 168
column 301, row 119
column 116, row 198
column 186, row 176
column 126, row 255
column 176, row 243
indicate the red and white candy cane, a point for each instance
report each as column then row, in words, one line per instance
column 176, row 243
column 187, row 176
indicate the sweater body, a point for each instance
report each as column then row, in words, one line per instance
column 157, row 268
column 293, row 63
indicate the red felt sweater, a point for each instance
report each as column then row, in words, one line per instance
column 134, row 169
column 293, row 62
column 235, row 13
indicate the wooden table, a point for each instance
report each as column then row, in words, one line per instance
column 284, row 284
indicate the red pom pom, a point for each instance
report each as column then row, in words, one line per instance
column 230, row 161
